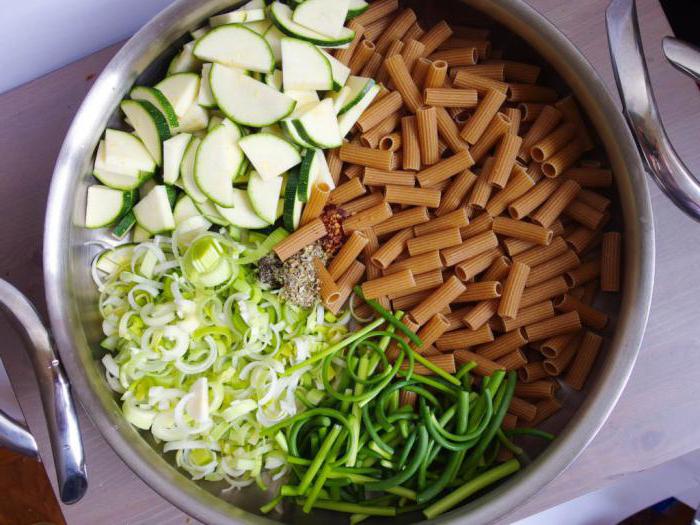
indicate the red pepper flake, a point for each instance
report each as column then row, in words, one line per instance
column 333, row 218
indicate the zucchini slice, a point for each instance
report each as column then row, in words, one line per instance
column 236, row 46
column 304, row 66
column 180, row 90
column 149, row 124
column 160, row 101
column 242, row 213
column 105, row 205
column 347, row 120
column 238, row 16
column 187, row 172
column 247, row 101
column 326, row 17
column 270, row 155
column 218, row 162
column 319, row 126
column 205, row 97
column 173, row 152
column 281, row 16
column 264, row 196
column 340, row 71
column 153, row 213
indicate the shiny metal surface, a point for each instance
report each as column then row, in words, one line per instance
column 71, row 294
column 16, row 437
column 61, row 418
column 640, row 109
column 684, row 56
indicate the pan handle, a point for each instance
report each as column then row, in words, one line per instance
column 61, row 417
column 15, row 436
column 640, row 110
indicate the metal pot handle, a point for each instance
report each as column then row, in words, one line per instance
column 639, row 106
column 61, row 417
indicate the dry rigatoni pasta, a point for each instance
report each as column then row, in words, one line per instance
column 304, row 236
column 448, row 131
column 484, row 367
column 480, row 119
column 591, row 317
column 553, row 142
column 401, row 77
column 499, row 125
column 415, row 32
column 610, row 262
column 424, row 281
column 583, row 362
column 436, row 301
column 430, row 332
column 563, row 159
column 329, row 290
column 536, row 389
column 335, row 165
column 458, row 56
column 372, row 137
column 411, row 52
column 530, row 315
column 426, row 122
column 504, row 160
column 344, row 55
column 383, row 286
column 590, row 177
column 347, row 254
column 363, row 203
column 372, row 66
column 435, row 36
column 455, row 219
column 503, row 345
column 420, row 71
column 478, row 225
column 412, row 196
column 375, row 177
column 519, row 183
column 434, row 241
column 557, row 325
column 465, row 270
column 541, row 254
column 411, row 146
column 553, row 267
column 488, row 70
column 530, row 110
column 531, row 372
column 453, row 196
column 317, row 201
column 513, row 361
column 376, row 10
column 396, row 30
column 345, row 283
column 546, row 290
column 367, row 218
column 522, row 409
column 498, row 270
column 530, row 93
column 513, row 291
column 532, row 199
column 347, row 191
column 424, row 262
column 379, row 111
column 458, row 339
column 450, row 97
column 376, row 28
column 444, row 169
column 390, row 142
column 570, row 112
column 363, row 156
column 556, row 203
column 522, row 230
column 391, row 249
column 403, row 219
column 583, row 274
column 469, row 248
column 363, row 52
column 482, row 84
column 548, row 119
column 480, row 314
column 480, row 291
column 435, row 75
column 584, row 214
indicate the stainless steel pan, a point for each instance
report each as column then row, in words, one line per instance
column 71, row 296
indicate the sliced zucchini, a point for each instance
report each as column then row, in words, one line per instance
column 153, row 212
column 105, row 205
column 260, row 28
column 149, row 124
column 181, row 90
column 347, row 120
column 306, row 176
column 323, row 172
column 326, row 17
column 291, row 214
column 141, row 234
column 209, row 212
column 238, row 16
column 127, row 180
column 274, row 79
column 281, row 16
column 304, row 66
column 319, row 126
column 185, row 209
column 359, row 86
column 236, row 46
column 356, row 8
column 218, row 162
column 187, row 172
column 173, row 152
column 185, row 61
column 124, row 153
column 214, row 121
column 160, row 101
column 112, row 259
column 199, row 33
column 196, row 119
column 242, row 213
column 273, row 36
column 264, row 196
column 247, row 101
column 270, row 155
column 254, row 4
column 339, row 71
column 340, row 98
column 205, row 98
